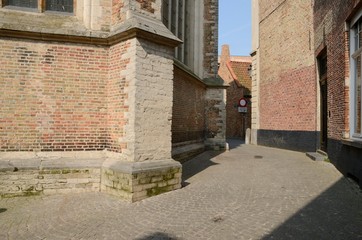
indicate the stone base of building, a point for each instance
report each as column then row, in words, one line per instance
column 134, row 181
column 27, row 177
column 128, row 180
column 216, row 144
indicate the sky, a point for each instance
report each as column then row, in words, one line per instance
column 235, row 26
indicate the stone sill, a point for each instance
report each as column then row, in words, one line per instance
column 352, row 143
column 14, row 165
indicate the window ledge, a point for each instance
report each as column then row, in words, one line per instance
column 21, row 9
column 352, row 143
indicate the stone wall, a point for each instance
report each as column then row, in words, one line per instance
column 215, row 118
column 26, row 174
column 140, row 183
column 211, row 16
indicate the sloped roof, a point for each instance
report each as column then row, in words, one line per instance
column 240, row 70
column 240, row 59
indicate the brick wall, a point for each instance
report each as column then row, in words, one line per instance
column 287, row 104
column 331, row 34
column 236, row 123
column 234, row 71
column 53, row 96
column 65, row 92
column 188, row 112
column 287, row 90
column 330, row 20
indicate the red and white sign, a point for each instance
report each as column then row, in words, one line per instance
column 243, row 102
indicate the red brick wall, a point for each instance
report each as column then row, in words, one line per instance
column 330, row 18
column 336, row 41
column 188, row 113
column 289, row 102
column 287, row 71
column 54, row 96
column 236, row 123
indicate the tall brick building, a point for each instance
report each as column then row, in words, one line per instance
column 100, row 95
column 337, row 47
column 285, row 103
column 306, row 78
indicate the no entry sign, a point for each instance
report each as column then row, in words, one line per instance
column 243, row 102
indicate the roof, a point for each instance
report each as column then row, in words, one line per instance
column 238, row 59
column 241, row 71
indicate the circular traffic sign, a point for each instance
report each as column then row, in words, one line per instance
column 243, row 102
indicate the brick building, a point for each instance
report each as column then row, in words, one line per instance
column 306, row 84
column 337, row 27
column 284, row 89
column 100, row 95
column 234, row 70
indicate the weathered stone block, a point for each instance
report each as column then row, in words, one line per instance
column 147, row 178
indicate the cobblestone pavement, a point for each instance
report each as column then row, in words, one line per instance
column 249, row 192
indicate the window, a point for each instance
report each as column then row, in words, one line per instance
column 23, row 3
column 45, row 5
column 184, row 18
column 176, row 17
column 59, row 5
column 356, row 78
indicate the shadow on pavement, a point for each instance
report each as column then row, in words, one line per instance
column 334, row 214
column 204, row 161
column 2, row 210
column 158, row 236
column 235, row 143
column 197, row 165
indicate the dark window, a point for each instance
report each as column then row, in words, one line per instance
column 322, row 63
column 23, row 3
column 59, row 5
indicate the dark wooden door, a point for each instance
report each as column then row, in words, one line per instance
column 324, row 115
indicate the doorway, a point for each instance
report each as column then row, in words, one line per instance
column 322, row 67
column 324, row 116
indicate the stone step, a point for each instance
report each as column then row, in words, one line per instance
column 317, row 156
column 322, row 152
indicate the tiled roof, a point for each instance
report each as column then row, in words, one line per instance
column 240, row 59
column 241, row 72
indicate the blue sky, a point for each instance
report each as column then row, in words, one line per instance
column 235, row 26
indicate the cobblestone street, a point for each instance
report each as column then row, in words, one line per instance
column 250, row 192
